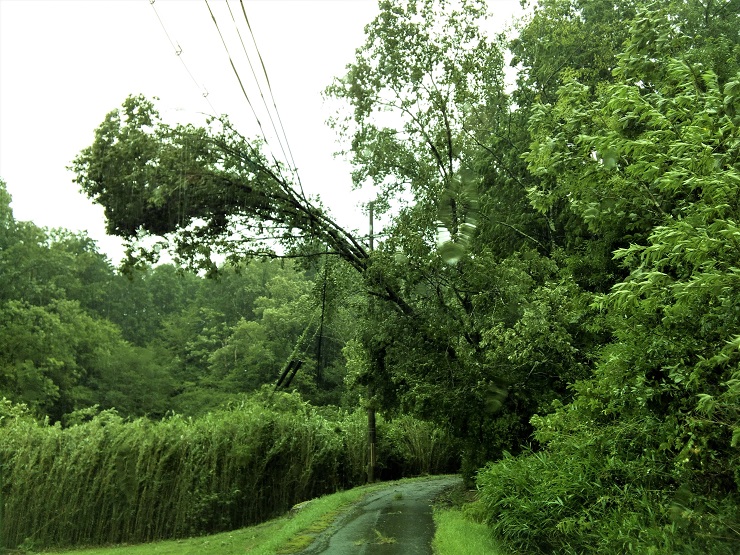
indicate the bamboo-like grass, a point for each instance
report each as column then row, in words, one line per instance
column 110, row 481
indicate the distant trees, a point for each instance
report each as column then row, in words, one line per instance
column 75, row 333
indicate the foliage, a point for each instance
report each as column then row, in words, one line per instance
column 106, row 480
column 198, row 190
column 650, row 441
column 49, row 353
column 424, row 70
column 429, row 128
column 576, row 38
column 208, row 190
column 283, row 534
column 455, row 534
column 77, row 333
column 557, row 279
column 412, row 446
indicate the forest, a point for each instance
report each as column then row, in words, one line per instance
column 553, row 309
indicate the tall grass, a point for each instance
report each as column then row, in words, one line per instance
column 112, row 481
column 413, row 446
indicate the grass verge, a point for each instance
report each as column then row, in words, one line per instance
column 281, row 536
column 456, row 532
column 458, row 535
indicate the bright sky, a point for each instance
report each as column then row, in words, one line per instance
column 64, row 64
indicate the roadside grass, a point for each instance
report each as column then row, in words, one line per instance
column 457, row 532
column 281, row 536
column 458, row 535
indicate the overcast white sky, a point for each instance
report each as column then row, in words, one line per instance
column 64, row 64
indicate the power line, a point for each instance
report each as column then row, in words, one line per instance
column 178, row 51
column 241, row 84
column 269, row 87
column 262, row 95
column 233, row 67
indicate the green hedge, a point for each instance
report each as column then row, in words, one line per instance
column 111, row 481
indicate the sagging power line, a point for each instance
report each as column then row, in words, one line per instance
column 276, row 122
column 288, row 157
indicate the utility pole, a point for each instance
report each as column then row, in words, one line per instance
column 372, row 455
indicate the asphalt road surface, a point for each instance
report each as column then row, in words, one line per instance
column 393, row 521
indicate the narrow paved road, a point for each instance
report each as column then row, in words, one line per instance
column 393, row 521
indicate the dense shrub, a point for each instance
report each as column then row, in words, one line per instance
column 645, row 458
column 409, row 446
column 107, row 480
column 612, row 492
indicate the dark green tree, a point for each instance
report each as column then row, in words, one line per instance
column 425, row 94
column 49, row 353
column 651, row 439
column 430, row 127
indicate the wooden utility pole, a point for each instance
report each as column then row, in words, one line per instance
column 372, row 455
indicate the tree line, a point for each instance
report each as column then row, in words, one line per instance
column 76, row 332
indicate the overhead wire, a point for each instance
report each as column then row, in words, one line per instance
column 249, row 102
column 269, row 88
column 233, row 67
column 178, row 51
column 262, row 95
column 284, row 148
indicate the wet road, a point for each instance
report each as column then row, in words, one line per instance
column 393, row 521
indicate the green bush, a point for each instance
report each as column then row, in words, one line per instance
column 606, row 493
column 645, row 458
